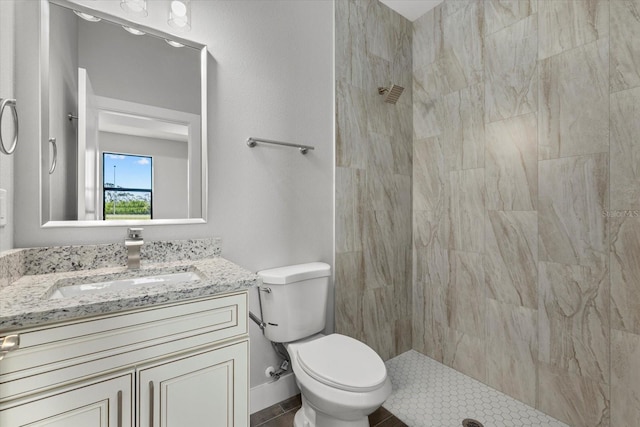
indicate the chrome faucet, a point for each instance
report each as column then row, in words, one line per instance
column 133, row 243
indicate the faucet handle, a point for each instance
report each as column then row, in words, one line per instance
column 134, row 233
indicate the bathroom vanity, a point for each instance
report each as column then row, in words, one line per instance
column 166, row 354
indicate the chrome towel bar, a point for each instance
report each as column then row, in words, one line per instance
column 252, row 142
column 11, row 103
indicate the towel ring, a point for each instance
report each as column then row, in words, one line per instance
column 12, row 105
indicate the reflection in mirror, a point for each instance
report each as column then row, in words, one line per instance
column 122, row 104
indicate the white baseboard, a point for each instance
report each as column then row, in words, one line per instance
column 267, row 394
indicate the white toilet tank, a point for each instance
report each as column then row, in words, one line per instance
column 294, row 300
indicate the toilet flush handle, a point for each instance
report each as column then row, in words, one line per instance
column 267, row 290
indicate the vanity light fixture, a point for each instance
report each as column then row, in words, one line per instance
column 87, row 17
column 134, row 31
column 173, row 43
column 180, row 15
column 135, row 7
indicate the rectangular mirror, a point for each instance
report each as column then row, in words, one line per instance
column 123, row 122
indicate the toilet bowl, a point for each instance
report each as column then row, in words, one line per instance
column 342, row 381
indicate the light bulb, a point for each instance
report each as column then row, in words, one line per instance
column 135, row 7
column 178, row 8
column 180, row 15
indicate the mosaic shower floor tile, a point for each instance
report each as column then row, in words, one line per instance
column 427, row 393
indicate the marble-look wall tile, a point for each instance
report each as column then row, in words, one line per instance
column 387, row 237
column 379, row 154
column 430, row 247
column 573, row 399
column 511, row 172
column 625, row 49
column 451, row 7
column 512, row 346
column 350, row 273
column 460, row 351
column 379, row 321
column 625, row 274
column 461, row 54
column 373, row 175
column 574, row 102
column 387, row 191
column 427, row 37
column 499, row 14
column 466, row 293
column 511, row 257
column 430, row 83
column 402, row 131
column 351, row 126
column 402, row 279
column 379, row 249
column 350, row 199
column 429, row 176
column 387, row 119
column 625, row 150
column 349, row 315
column 402, row 335
column 625, row 378
column 466, row 210
column 350, row 44
column 573, row 320
column 463, row 137
column 388, row 34
column 566, row 24
column 511, row 79
column 427, row 334
column 573, row 192
column 427, row 119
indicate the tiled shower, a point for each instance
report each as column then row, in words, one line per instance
column 491, row 218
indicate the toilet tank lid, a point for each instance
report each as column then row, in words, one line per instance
column 294, row 273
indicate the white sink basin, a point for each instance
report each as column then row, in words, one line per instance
column 121, row 284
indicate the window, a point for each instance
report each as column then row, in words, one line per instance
column 127, row 191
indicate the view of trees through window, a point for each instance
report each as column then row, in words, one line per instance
column 127, row 186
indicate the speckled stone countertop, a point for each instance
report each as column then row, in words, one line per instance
column 26, row 301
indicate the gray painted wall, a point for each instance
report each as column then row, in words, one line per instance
column 7, row 25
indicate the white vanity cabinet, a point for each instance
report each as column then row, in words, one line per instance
column 181, row 364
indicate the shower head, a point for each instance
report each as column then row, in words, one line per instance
column 391, row 94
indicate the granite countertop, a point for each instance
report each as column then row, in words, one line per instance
column 25, row 302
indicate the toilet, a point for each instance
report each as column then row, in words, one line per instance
column 342, row 380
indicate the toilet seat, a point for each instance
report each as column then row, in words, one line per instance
column 343, row 363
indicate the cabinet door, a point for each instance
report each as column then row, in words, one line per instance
column 204, row 389
column 104, row 403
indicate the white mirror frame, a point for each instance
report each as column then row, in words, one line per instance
column 44, row 122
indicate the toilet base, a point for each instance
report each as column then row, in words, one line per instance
column 308, row 417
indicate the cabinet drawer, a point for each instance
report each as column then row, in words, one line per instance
column 56, row 354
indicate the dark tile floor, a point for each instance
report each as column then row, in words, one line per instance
column 281, row 415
